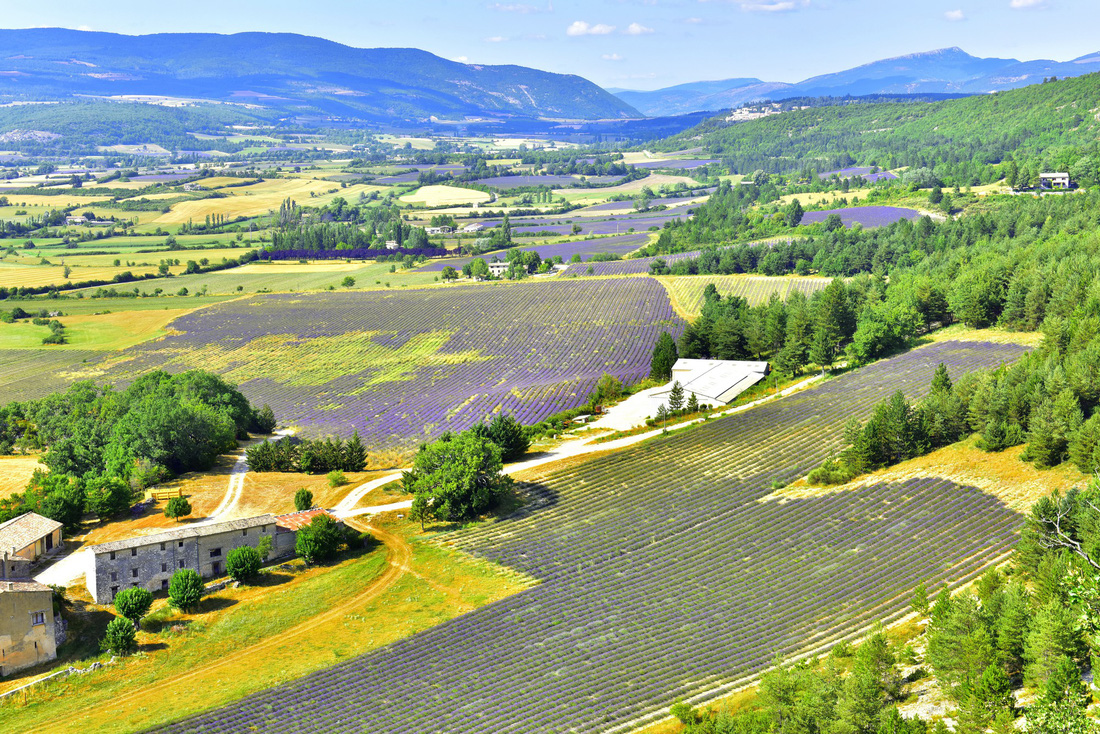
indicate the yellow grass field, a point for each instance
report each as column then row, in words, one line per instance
column 824, row 197
column 248, row 201
column 290, row 266
column 52, row 202
column 156, row 197
column 686, row 291
column 15, row 472
column 100, row 332
column 444, row 196
column 654, row 181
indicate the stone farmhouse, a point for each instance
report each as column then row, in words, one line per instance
column 25, row 540
column 27, row 625
column 149, row 561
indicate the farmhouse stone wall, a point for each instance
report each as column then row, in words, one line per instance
column 149, row 562
column 26, row 625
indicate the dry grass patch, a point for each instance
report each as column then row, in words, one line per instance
column 961, row 333
column 274, row 492
column 15, row 472
column 247, row 201
column 825, row 197
column 1016, row 483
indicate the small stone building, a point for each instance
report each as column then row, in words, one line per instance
column 26, row 539
column 26, row 625
column 149, row 561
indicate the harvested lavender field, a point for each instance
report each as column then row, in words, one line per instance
column 694, row 582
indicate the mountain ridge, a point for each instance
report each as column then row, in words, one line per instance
column 948, row 70
column 295, row 73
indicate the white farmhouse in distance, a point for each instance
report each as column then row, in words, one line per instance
column 713, row 381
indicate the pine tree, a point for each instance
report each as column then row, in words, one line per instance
column 355, row 455
column 664, row 357
column 693, row 403
column 676, row 397
column 987, row 699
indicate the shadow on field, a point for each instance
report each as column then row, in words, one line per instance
column 216, row 603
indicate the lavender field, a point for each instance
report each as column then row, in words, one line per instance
column 402, row 367
column 868, row 216
column 694, row 582
column 620, row 245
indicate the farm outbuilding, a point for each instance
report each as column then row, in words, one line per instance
column 29, row 537
column 713, row 381
column 1054, row 180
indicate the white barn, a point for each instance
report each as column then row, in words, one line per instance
column 713, row 381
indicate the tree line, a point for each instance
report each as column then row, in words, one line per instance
column 102, row 445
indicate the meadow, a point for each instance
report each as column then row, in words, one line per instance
column 693, row 584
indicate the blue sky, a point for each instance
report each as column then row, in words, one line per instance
column 638, row 44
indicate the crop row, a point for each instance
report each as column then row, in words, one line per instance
column 26, row 374
column 668, row 571
column 621, row 245
column 401, row 367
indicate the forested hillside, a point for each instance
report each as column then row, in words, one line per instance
column 1054, row 124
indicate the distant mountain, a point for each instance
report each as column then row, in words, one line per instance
column 301, row 75
column 946, row 71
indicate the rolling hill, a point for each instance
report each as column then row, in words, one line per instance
column 296, row 74
column 944, row 71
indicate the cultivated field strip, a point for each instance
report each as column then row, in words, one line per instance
column 28, row 374
column 668, row 572
column 638, row 265
column 401, row 367
column 686, row 291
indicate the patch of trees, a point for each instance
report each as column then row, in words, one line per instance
column 309, row 456
column 456, row 478
column 897, row 431
column 962, row 140
column 102, row 445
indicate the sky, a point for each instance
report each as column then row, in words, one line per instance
column 632, row 44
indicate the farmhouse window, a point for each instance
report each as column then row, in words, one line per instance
column 180, row 545
column 164, row 568
column 133, row 551
column 133, row 573
column 162, row 546
column 164, row 584
column 114, row 575
column 38, row 618
column 215, row 552
column 114, row 591
column 181, row 564
column 112, row 555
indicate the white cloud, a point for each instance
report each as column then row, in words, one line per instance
column 612, row 57
column 581, row 28
column 461, row 59
column 955, row 15
column 515, row 8
column 1022, row 4
column 637, row 29
column 769, row 6
column 496, row 39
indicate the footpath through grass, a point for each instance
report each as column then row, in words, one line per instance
column 247, row 639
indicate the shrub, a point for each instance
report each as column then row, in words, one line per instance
column 185, row 589
column 120, row 638
column 303, row 499
column 133, row 604
column 243, row 563
column 177, row 507
column 318, row 541
column 336, row 478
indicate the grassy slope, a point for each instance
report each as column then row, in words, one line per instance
column 251, row 638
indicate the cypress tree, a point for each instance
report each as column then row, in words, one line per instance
column 664, row 357
column 676, row 397
column 355, row 455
